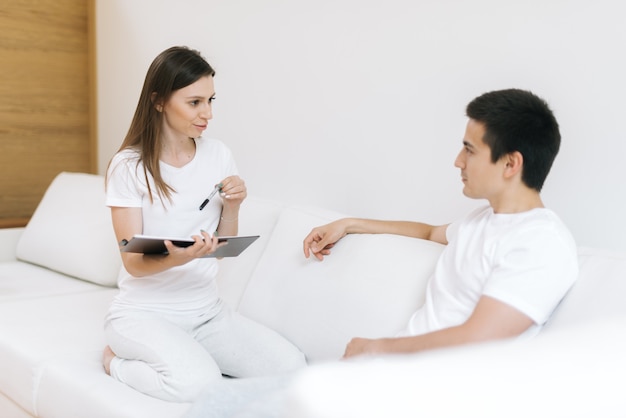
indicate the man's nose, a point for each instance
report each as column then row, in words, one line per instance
column 458, row 162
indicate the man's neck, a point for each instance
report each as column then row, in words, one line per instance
column 522, row 200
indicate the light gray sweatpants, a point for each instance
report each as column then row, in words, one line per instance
column 172, row 357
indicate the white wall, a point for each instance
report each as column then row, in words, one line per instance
column 358, row 105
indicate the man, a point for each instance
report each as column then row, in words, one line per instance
column 506, row 265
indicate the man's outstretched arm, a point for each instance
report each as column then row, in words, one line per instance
column 491, row 320
column 322, row 238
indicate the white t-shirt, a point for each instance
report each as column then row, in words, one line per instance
column 527, row 260
column 190, row 288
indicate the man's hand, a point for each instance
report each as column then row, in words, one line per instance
column 491, row 320
column 322, row 238
column 361, row 346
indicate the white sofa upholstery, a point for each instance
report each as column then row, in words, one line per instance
column 57, row 278
column 574, row 372
column 573, row 369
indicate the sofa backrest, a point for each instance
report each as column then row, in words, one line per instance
column 71, row 231
column 368, row 287
column 257, row 216
column 598, row 295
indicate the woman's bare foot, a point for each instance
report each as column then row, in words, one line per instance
column 107, row 356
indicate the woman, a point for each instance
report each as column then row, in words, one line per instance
column 168, row 333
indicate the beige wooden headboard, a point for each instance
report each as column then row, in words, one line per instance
column 47, row 99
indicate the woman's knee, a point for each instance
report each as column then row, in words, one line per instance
column 185, row 385
column 292, row 360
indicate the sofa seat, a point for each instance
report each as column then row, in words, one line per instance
column 37, row 332
column 75, row 386
column 19, row 280
column 41, row 311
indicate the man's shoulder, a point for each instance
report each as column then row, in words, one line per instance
column 543, row 219
column 541, row 234
column 516, row 229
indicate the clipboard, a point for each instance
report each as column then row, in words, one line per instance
column 147, row 244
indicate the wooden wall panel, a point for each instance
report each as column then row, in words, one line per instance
column 45, row 99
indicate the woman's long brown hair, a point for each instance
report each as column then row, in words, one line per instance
column 171, row 70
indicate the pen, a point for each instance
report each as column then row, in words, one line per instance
column 215, row 190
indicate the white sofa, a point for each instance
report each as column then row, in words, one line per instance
column 58, row 274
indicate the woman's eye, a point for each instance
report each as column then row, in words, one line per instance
column 211, row 100
column 194, row 102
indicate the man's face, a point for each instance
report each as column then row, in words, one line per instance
column 482, row 179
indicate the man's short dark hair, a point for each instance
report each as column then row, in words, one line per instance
column 518, row 120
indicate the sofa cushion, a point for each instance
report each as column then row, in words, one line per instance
column 256, row 217
column 35, row 331
column 75, row 386
column 8, row 408
column 368, row 287
column 71, row 231
column 8, row 241
column 19, row 280
column 598, row 294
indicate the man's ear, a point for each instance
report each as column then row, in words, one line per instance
column 157, row 105
column 514, row 162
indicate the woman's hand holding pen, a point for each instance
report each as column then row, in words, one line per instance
column 233, row 193
column 233, row 190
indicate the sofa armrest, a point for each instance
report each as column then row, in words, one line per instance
column 8, row 242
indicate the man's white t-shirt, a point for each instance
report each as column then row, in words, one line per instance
column 527, row 260
column 191, row 287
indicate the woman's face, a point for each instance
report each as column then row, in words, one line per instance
column 188, row 111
